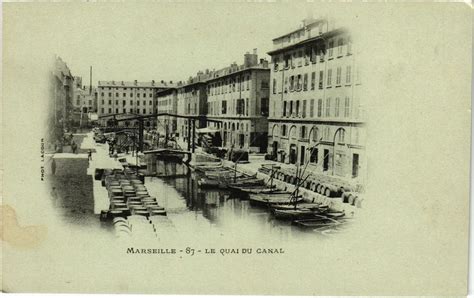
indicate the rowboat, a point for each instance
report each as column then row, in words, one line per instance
column 316, row 222
column 272, row 199
column 294, row 214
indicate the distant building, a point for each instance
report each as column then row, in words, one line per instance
column 60, row 104
column 192, row 101
column 167, row 102
column 238, row 96
column 129, row 98
column 316, row 113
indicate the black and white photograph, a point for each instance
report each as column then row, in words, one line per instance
column 306, row 148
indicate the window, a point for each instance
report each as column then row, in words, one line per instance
column 116, row 110
column 336, row 111
column 275, row 64
column 321, row 54
column 311, row 108
column 305, row 82
column 349, row 47
column 78, row 102
column 291, row 109
column 292, row 82
column 286, row 84
column 314, row 155
column 283, row 130
column 144, row 111
column 329, row 77
column 331, row 46
column 110, row 111
column 313, row 80
column 320, row 107
column 138, row 94
column 348, row 74
column 116, row 94
column 303, row 132
column 102, row 110
column 224, row 107
column 151, row 102
column 284, row 109
column 274, row 86
column 328, row 107
column 264, row 106
column 315, row 134
column 124, row 111
column 299, row 83
column 297, row 112
column 150, row 95
column 346, row 107
column 131, row 94
column 102, row 94
column 338, row 76
column 138, row 103
column 124, row 95
column 144, row 95
column 340, row 42
column 116, row 102
column 102, row 102
column 303, row 112
column 90, row 101
column 248, row 83
column 124, row 103
column 131, row 110
column 264, row 85
column 110, row 94
column 246, row 106
column 131, row 103
column 144, row 102
column 321, row 79
column 110, row 101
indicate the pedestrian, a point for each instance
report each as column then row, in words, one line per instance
column 115, row 155
column 73, row 147
column 89, row 154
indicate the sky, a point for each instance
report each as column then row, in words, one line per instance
column 160, row 41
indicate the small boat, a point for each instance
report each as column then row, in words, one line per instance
column 272, row 199
column 316, row 222
column 293, row 214
column 310, row 206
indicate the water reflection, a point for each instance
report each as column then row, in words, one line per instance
column 213, row 210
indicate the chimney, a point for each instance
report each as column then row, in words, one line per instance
column 171, row 82
column 122, row 83
column 153, row 82
column 113, row 82
column 135, row 82
column 162, row 82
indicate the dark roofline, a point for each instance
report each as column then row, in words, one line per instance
column 191, row 84
column 239, row 71
column 324, row 36
column 166, row 91
column 311, row 25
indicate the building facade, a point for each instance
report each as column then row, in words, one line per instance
column 167, row 102
column 191, row 101
column 238, row 96
column 316, row 114
column 61, row 101
column 128, row 98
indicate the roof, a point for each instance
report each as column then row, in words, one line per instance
column 166, row 91
column 309, row 40
column 239, row 70
column 151, row 84
column 309, row 25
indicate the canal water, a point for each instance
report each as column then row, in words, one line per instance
column 192, row 210
column 215, row 211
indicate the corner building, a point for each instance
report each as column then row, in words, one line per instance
column 316, row 114
column 238, row 96
column 129, row 98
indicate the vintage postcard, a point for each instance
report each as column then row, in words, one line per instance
column 251, row 148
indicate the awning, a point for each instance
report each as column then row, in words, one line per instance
column 207, row 130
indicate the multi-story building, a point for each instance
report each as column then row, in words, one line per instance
column 167, row 102
column 192, row 101
column 60, row 105
column 132, row 98
column 238, row 96
column 315, row 104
